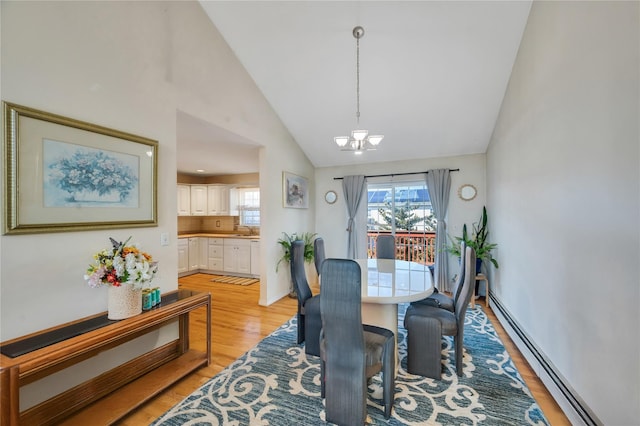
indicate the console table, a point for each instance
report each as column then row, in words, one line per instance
column 32, row 357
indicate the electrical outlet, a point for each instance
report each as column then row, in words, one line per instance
column 164, row 239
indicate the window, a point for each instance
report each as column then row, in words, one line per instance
column 249, row 206
column 404, row 210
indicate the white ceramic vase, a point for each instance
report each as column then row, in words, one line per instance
column 124, row 302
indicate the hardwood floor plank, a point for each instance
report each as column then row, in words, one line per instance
column 239, row 323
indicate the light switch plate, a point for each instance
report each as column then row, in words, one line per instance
column 164, row 239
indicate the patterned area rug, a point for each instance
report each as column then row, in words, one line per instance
column 227, row 279
column 276, row 384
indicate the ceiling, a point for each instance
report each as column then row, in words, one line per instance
column 432, row 74
column 212, row 149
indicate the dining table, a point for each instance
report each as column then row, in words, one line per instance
column 386, row 283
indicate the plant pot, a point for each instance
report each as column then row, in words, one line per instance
column 124, row 302
column 478, row 265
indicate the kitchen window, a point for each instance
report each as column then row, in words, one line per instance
column 249, row 206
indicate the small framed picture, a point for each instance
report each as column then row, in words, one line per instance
column 295, row 191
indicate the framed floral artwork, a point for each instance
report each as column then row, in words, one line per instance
column 295, row 191
column 67, row 175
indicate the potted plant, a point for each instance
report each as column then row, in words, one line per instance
column 286, row 241
column 477, row 241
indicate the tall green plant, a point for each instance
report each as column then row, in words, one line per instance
column 477, row 240
column 286, row 241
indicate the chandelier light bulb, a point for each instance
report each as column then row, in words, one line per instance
column 359, row 134
column 375, row 139
column 341, row 140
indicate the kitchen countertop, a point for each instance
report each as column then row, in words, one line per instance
column 214, row 235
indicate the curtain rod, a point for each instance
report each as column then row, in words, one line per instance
column 397, row 174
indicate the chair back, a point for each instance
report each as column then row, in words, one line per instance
column 457, row 288
column 386, row 247
column 341, row 305
column 465, row 294
column 343, row 341
column 298, row 274
column 318, row 253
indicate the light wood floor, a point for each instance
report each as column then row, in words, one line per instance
column 239, row 323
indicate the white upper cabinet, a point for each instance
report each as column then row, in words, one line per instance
column 217, row 200
column 198, row 200
column 184, row 200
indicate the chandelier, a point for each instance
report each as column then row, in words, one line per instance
column 360, row 140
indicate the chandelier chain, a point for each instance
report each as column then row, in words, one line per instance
column 358, row 80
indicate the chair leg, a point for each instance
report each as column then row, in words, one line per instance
column 300, row 328
column 389, row 376
column 459, row 348
column 322, row 380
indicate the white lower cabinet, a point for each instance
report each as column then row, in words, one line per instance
column 198, row 253
column 237, row 255
column 203, row 253
column 183, row 255
column 216, row 254
column 194, row 248
column 255, row 258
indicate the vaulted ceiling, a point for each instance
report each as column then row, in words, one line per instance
column 432, row 73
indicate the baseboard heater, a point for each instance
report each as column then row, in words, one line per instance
column 573, row 406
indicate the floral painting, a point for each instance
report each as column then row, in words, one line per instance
column 77, row 175
column 69, row 175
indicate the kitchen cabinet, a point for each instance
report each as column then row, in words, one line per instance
column 237, row 255
column 203, row 253
column 183, row 255
column 255, row 258
column 216, row 254
column 184, row 200
column 198, row 200
column 198, row 253
column 217, row 200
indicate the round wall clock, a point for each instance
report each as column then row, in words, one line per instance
column 330, row 197
column 467, row 192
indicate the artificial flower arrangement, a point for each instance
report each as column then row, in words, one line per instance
column 123, row 264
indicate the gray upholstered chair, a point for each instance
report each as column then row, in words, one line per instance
column 351, row 352
column 427, row 324
column 309, row 322
column 441, row 300
column 386, row 247
column 318, row 253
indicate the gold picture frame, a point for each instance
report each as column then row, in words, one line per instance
column 65, row 175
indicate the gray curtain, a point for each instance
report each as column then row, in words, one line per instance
column 439, row 184
column 354, row 189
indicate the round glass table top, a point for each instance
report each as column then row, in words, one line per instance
column 394, row 281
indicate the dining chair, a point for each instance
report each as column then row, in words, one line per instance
column 309, row 322
column 426, row 325
column 350, row 352
column 441, row 300
column 386, row 247
column 318, row 253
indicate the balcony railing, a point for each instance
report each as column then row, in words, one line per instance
column 409, row 246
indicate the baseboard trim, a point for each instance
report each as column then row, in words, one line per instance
column 567, row 398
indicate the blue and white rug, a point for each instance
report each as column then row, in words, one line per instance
column 276, row 384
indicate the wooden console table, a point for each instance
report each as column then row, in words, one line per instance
column 27, row 359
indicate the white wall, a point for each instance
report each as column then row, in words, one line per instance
column 331, row 219
column 563, row 179
column 129, row 66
